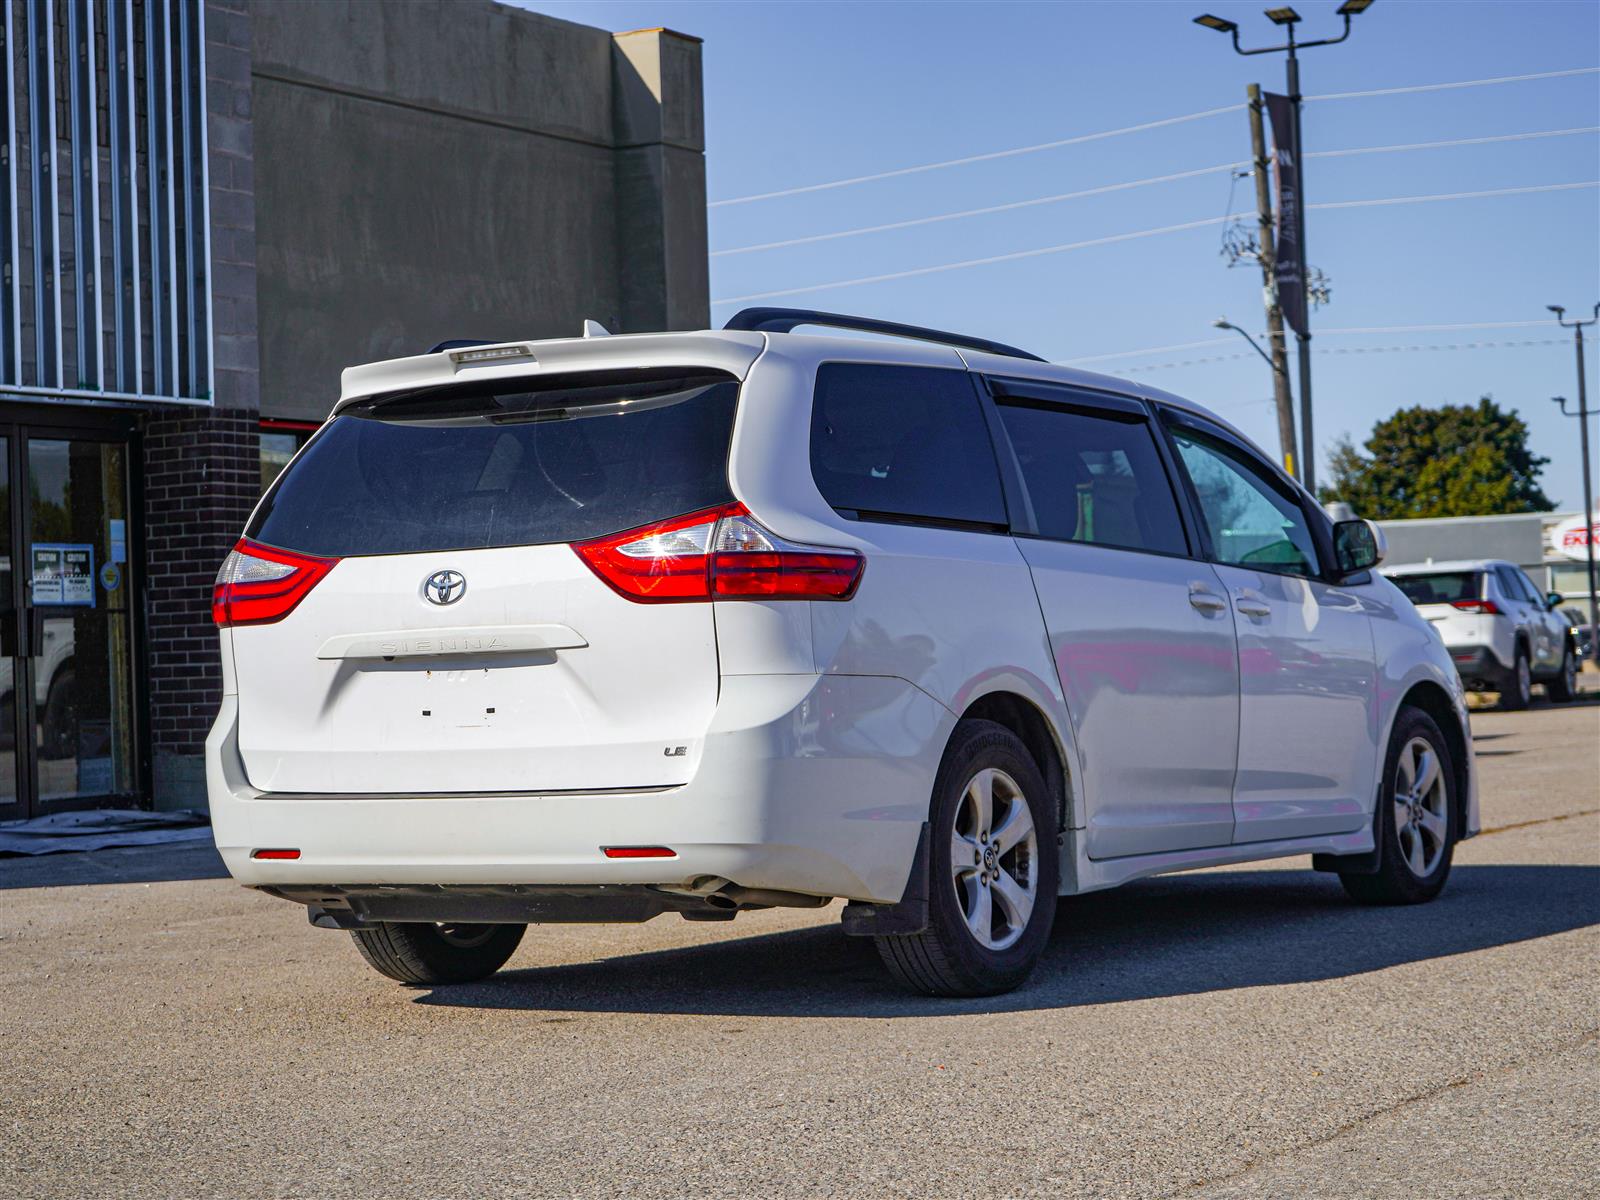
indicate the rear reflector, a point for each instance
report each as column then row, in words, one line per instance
column 275, row 854
column 1487, row 608
column 638, row 852
column 719, row 553
column 261, row 584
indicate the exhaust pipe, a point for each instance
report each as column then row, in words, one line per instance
column 734, row 896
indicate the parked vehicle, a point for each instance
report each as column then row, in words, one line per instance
column 1582, row 632
column 1502, row 632
column 597, row 629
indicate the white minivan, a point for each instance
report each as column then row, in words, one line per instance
column 604, row 628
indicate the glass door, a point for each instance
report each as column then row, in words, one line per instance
column 66, row 652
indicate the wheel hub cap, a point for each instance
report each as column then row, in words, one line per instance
column 1421, row 807
column 994, row 855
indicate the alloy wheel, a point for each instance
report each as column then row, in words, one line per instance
column 1421, row 818
column 994, row 854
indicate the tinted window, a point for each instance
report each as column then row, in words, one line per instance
column 1510, row 589
column 467, row 468
column 1440, row 587
column 903, row 442
column 1251, row 522
column 1092, row 479
column 1534, row 595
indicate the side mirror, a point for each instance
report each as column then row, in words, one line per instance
column 1358, row 546
column 1552, row 600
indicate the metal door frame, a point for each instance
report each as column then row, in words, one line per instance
column 19, row 426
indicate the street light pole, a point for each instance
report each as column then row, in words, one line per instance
column 1224, row 323
column 1288, row 18
column 1582, row 414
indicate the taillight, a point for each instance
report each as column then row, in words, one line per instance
column 261, row 584
column 719, row 553
column 1486, row 608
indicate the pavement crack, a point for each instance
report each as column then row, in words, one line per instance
column 1586, row 812
column 1427, row 1094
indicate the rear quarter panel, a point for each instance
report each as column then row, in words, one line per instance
column 952, row 612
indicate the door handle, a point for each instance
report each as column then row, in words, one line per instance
column 1251, row 605
column 1204, row 599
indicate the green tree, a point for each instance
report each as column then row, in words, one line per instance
column 1462, row 460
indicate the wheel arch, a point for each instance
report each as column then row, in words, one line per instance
column 1035, row 730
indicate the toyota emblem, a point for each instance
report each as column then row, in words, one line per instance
column 445, row 587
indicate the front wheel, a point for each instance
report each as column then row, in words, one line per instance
column 447, row 953
column 1564, row 687
column 993, row 869
column 1415, row 823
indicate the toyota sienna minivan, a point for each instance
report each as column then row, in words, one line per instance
column 605, row 628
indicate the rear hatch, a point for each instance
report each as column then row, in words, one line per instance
column 1452, row 601
column 451, row 639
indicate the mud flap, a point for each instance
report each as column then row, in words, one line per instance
column 908, row 916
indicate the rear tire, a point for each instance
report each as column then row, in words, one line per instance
column 1563, row 687
column 426, row 954
column 1519, row 688
column 993, row 867
column 1416, row 820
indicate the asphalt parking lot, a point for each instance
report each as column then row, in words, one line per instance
column 1225, row 1033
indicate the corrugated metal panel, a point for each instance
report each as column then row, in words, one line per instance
column 128, row 80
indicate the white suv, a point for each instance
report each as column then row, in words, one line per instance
column 597, row 629
column 1502, row 632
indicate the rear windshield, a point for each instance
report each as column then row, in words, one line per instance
column 465, row 468
column 1443, row 587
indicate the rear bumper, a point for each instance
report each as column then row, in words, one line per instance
column 818, row 785
column 1481, row 669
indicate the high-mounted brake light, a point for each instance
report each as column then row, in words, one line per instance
column 261, row 584
column 1487, row 608
column 719, row 553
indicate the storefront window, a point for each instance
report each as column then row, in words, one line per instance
column 279, row 441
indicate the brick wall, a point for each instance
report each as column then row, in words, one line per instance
column 202, row 465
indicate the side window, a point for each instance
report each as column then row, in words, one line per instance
column 904, row 442
column 1094, row 479
column 1534, row 595
column 1252, row 523
column 1509, row 587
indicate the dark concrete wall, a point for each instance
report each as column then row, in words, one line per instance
column 202, row 465
column 429, row 170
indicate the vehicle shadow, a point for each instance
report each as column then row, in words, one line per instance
column 120, row 864
column 1173, row 936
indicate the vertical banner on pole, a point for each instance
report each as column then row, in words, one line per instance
column 1289, row 265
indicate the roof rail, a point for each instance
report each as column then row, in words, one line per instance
column 784, row 320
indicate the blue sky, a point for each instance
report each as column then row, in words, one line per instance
column 798, row 94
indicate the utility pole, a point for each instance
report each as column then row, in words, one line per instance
column 1308, row 448
column 1286, row 18
column 1279, row 351
column 1577, row 328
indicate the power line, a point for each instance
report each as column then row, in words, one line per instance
column 1511, row 191
column 976, row 158
column 976, row 212
column 1119, row 187
column 1462, row 83
column 1124, row 237
column 1109, row 133
column 1450, row 346
column 1348, row 329
column 1475, row 141
column 978, row 262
